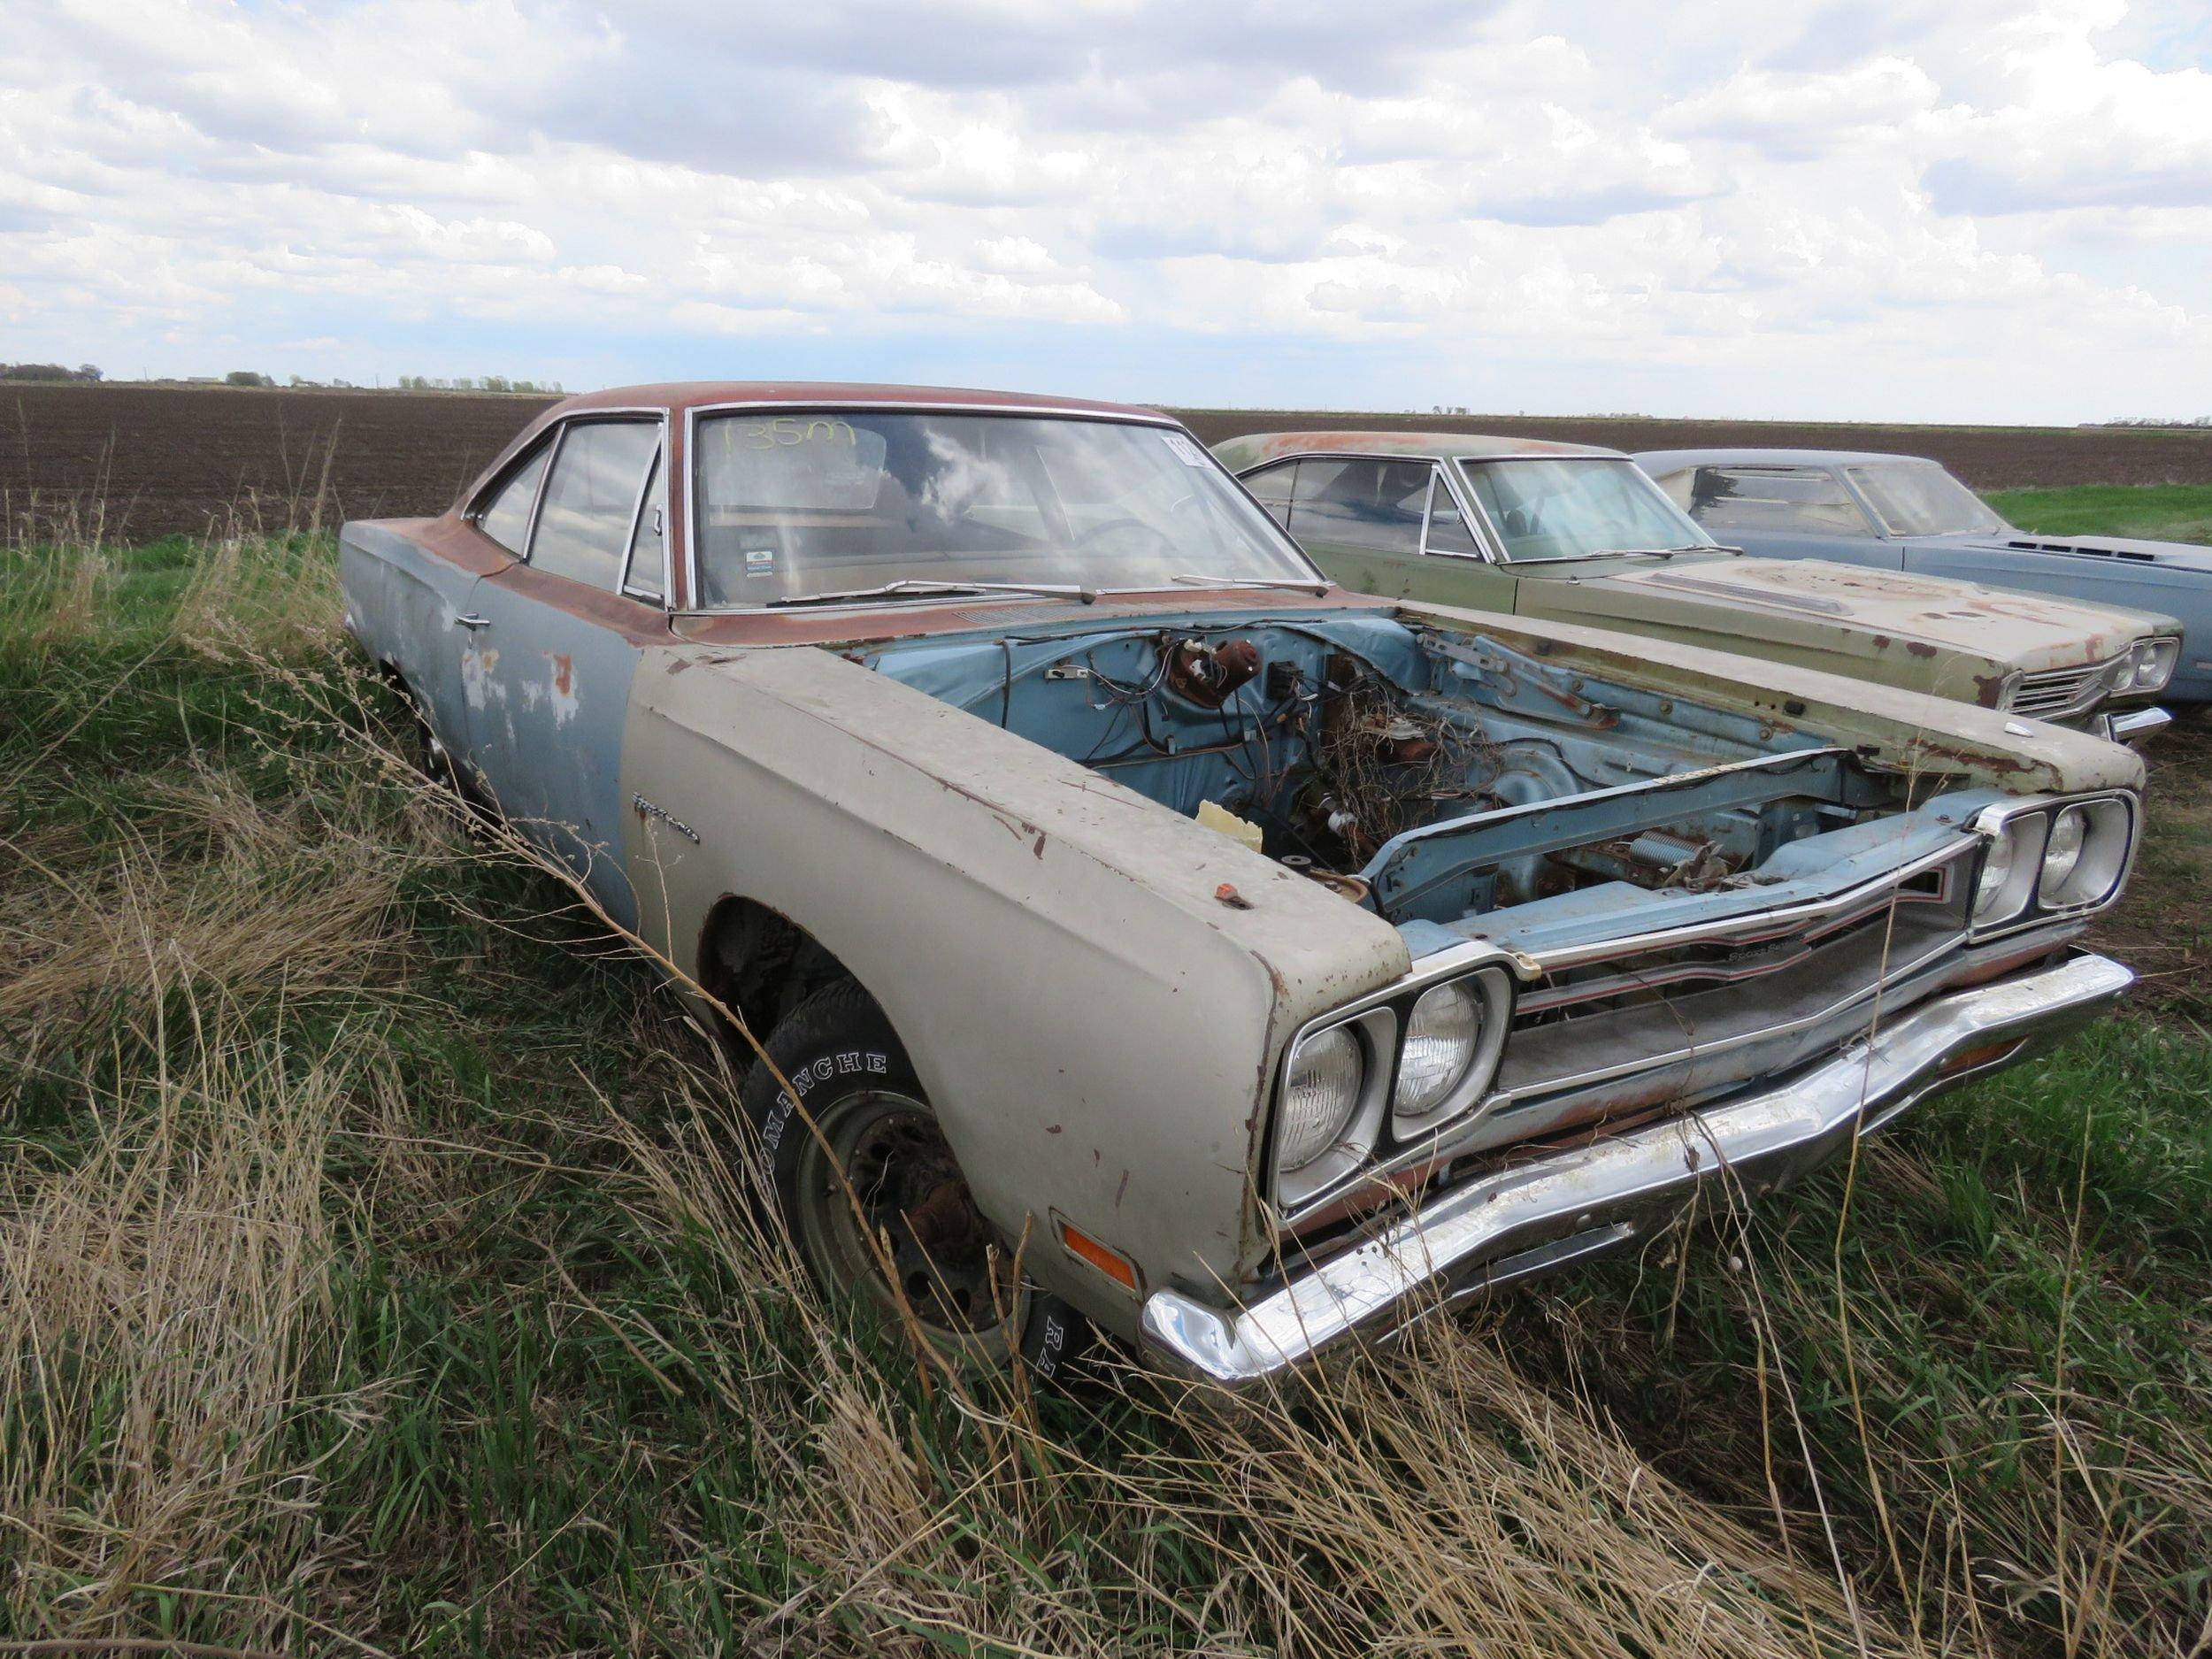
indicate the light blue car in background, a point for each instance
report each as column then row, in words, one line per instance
column 1902, row 513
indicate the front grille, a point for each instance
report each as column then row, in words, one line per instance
column 2059, row 691
column 1680, row 1024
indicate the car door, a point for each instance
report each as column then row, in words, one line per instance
column 555, row 639
column 1784, row 512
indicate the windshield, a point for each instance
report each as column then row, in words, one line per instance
column 817, row 502
column 1573, row 508
column 1920, row 498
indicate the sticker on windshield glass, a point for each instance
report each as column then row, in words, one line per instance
column 1189, row 453
column 760, row 561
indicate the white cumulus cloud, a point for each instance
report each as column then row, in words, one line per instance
column 1992, row 209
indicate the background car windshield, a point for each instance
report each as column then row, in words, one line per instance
column 1920, row 498
column 812, row 502
column 1572, row 509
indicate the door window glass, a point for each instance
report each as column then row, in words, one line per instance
column 647, row 545
column 1803, row 498
column 1374, row 504
column 1448, row 529
column 507, row 520
column 584, row 527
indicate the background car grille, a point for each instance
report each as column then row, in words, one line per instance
column 2059, row 691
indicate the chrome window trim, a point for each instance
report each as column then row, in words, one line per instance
column 550, row 440
column 1040, row 411
column 1489, row 549
column 655, row 472
column 545, row 480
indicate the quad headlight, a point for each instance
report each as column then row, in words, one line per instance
column 1382, row 1079
column 1442, row 1034
column 1321, row 1092
column 2050, row 859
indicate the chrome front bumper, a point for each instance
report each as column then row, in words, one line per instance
column 1541, row 1215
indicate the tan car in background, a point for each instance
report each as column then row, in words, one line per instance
column 1530, row 528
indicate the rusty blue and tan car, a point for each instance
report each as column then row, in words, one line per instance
column 1254, row 962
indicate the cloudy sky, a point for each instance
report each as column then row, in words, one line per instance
column 1913, row 208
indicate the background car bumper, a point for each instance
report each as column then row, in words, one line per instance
column 1525, row 1219
column 2135, row 724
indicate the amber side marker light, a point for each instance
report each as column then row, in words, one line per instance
column 1111, row 1262
column 1988, row 1054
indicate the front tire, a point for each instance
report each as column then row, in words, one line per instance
column 873, row 1178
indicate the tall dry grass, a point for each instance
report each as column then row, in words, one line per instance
column 159, row 1296
column 212, row 889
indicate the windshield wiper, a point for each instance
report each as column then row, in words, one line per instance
column 1253, row 581
column 889, row 590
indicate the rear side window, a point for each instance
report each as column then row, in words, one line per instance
column 1374, row 504
column 591, row 500
column 507, row 520
column 1810, row 499
column 1271, row 488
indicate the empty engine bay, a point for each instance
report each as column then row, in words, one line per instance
column 1431, row 776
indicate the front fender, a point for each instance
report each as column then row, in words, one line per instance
column 1098, row 1029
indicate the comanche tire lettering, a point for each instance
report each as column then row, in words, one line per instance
column 851, row 1062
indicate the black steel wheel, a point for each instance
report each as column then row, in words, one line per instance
column 873, row 1197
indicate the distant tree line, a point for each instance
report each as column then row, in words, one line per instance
column 2154, row 420
column 479, row 383
column 48, row 371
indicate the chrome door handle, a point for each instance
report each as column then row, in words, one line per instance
column 471, row 622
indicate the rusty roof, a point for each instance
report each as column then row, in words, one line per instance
column 677, row 395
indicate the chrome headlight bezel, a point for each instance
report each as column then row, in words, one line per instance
column 2018, row 842
column 1373, row 1134
column 2152, row 662
column 1492, row 998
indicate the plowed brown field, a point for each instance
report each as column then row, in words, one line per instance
column 168, row 458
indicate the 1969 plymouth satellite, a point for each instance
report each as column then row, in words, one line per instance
column 1897, row 513
column 1260, row 961
column 1542, row 529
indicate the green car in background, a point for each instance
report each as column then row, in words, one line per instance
column 1533, row 528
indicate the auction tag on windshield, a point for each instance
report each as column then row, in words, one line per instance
column 760, row 561
column 1189, row 453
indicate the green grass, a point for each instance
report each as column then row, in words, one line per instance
column 2156, row 512
column 377, row 1270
